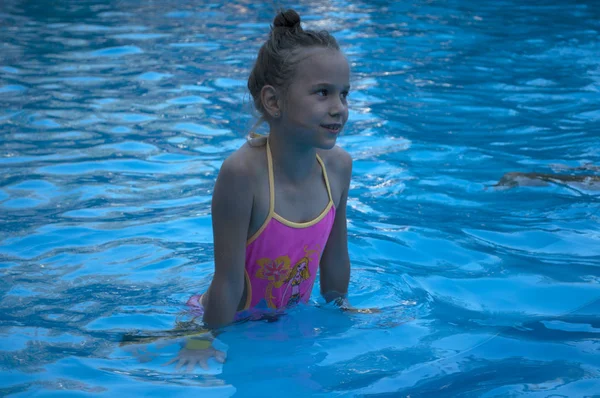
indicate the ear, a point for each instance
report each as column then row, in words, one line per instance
column 270, row 101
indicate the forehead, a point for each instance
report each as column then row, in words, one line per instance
column 322, row 65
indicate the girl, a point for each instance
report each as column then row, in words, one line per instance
column 279, row 203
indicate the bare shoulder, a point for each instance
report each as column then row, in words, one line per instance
column 242, row 165
column 338, row 162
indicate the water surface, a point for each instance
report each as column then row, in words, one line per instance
column 115, row 117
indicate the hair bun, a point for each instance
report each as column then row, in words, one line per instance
column 287, row 19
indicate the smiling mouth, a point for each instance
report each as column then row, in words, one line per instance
column 334, row 127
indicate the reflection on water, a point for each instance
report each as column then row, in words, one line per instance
column 115, row 117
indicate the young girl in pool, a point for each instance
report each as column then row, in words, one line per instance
column 279, row 202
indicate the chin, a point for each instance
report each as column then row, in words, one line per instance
column 326, row 145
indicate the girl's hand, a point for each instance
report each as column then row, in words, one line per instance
column 361, row 310
column 197, row 352
column 344, row 305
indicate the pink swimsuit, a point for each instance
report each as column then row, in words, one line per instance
column 282, row 257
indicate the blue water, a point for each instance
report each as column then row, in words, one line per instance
column 115, row 117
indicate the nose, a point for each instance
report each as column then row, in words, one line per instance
column 338, row 107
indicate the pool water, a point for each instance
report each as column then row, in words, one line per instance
column 115, row 117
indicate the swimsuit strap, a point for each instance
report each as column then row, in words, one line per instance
column 325, row 177
column 272, row 179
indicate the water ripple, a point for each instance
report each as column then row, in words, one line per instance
column 472, row 217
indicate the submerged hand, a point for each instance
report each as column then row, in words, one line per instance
column 141, row 353
column 197, row 352
column 344, row 305
column 362, row 310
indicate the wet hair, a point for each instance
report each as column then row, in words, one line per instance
column 277, row 58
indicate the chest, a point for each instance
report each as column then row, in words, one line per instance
column 301, row 203
column 297, row 203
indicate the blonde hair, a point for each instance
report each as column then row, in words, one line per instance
column 252, row 133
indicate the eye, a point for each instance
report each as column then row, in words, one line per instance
column 323, row 92
column 344, row 94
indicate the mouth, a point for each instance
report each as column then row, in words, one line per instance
column 333, row 128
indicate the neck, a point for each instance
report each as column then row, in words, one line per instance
column 295, row 161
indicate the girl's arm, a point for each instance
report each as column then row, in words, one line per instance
column 231, row 211
column 335, row 261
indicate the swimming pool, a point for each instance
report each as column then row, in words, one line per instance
column 115, row 117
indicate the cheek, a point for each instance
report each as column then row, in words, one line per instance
column 300, row 108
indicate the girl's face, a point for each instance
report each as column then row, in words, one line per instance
column 315, row 107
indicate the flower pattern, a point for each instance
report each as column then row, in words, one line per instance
column 275, row 271
column 279, row 272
